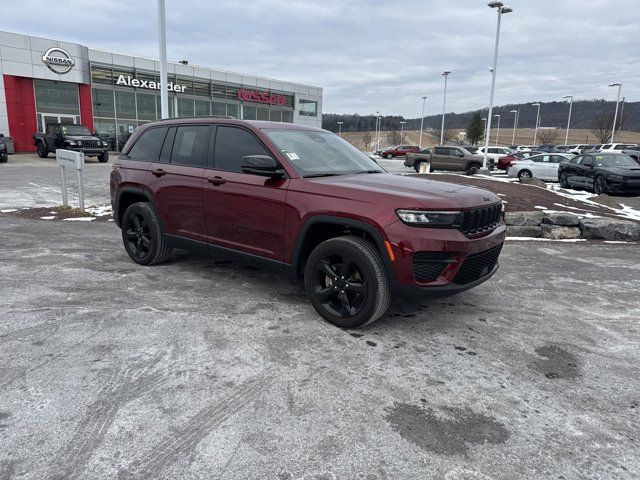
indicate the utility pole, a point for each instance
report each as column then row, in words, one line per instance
column 162, row 41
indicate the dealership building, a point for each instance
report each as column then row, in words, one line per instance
column 49, row 81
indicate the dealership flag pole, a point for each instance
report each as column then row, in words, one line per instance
column 162, row 39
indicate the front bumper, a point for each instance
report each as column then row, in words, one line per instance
column 629, row 186
column 405, row 241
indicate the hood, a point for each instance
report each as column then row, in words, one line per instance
column 80, row 137
column 397, row 191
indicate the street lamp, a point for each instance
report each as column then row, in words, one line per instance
column 535, row 135
column 402, row 132
column 501, row 8
column 615, row 116
column 424, row 99
column 498, row 131
column 340, row 128
column 446, row 74
column 515, row 125
column 566, row 138
column 162, row 44
column 484, row 126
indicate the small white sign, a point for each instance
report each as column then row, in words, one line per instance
column 70, row 159
column 131, row 128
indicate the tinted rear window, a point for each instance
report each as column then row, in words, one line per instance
column 191, row 146
column 147, row 147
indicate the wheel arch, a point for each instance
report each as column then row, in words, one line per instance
column 320, row 228
column 128, row 196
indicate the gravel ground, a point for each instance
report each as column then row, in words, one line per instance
column 203, row 369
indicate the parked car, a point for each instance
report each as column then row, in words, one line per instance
column 414, row 159
column 305, row 201
column 543, row 166
column 504, row 161
column 635, row 154
column 399, row 151
column 4, row 154
column 494, row 153
column 70, row 137
column 520, row 148
column 546, row 148
column 448, row 158
column 617, row 147
column 601, row 172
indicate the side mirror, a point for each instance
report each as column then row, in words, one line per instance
column 262, row 165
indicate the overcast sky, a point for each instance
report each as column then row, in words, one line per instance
column 372, row 55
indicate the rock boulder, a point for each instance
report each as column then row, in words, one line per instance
column 609, row 229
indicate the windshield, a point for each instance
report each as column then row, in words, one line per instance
column 75, row 130
column 313, row 153
column 615, row 161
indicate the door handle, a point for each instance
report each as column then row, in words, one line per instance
column 216, row 180
column 158, row 172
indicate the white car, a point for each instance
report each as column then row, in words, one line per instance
column 543, row 166
column 494, row 153
column 617, row 147
column 521, row 148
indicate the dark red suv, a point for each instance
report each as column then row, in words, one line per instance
column 399, row 151
column 305, row 201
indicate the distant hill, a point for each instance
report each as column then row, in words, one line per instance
column 552, row 114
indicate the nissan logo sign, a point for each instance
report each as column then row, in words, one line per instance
column 58, row 60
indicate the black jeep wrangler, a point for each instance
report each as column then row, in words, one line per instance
column 70, row 137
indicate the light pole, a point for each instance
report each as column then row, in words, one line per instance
column 498, row 131
column 566, row 138
column 615, row 116
column 424, row 99
column 515, row 125
column 375, row 140
column 340, row 128
column 446, row 74
column 502, row 9
column 402, row 132
column 535, row 134
column 162, row 43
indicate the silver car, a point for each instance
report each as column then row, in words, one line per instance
column 543, row 166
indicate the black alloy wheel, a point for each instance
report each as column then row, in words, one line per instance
column 600, row 185
column 142, row 235
column 347, row 282
column 522, row 174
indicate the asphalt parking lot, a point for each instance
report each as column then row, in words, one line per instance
column 205, row 369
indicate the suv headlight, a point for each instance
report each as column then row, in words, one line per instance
column 104, row 144
column 425, row 218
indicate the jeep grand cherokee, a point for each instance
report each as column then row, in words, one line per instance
column 305, row 201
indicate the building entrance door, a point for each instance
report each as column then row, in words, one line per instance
column 47, row 118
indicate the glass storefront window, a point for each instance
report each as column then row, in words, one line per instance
column 172, row 106
column 146, row 106
column 103, row 103
column 125, row 129
column 263, row 113
column 218, row 91
column 219, row 109
column 249, row 112
column 101, row 75
column 233, row 110
column 308, row 108
column 125, row 104
column 201, row 88
column 187, row 84
column 56, row 97
column 232, row 92
column 287, row 116
column 106, row 131
column 275, row 115
column 185, row 107
column 202, row 108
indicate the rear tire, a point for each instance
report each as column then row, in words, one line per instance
column 389, row 156
column 346, row 282
column 103, row 157
column 142, row 235
column 42, row 151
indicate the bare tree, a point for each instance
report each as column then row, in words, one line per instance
column 393, row 137
column 548, row 136
column 447, row 136
column 366, row 140
column 602, row 123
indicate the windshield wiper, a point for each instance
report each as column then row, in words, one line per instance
column 326, row 174
column 368, row 171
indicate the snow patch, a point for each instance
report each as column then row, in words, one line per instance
column 48, row 218
column 79, row 219
column 569, row 240
column 9, row 210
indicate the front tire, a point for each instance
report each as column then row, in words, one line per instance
column 389, row 156
column 600, row 185
column 142, row 235
column 564, row 180
column 473, row 169
column 522, row 174
column 42, row 151
column 346, row 282
column 103, row 157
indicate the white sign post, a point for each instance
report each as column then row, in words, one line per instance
column 75, row 161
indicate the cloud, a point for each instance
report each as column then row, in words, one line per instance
column 373, row 55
